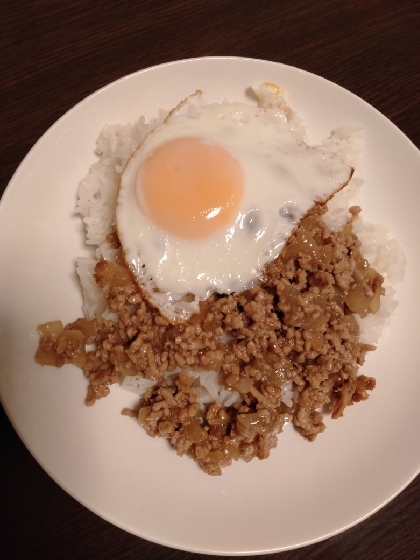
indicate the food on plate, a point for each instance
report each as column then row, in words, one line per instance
column 234, row 286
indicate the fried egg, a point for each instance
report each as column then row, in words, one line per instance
column 212, row 195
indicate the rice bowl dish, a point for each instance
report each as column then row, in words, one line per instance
column 210, row 408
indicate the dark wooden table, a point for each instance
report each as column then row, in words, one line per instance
column 53, row 54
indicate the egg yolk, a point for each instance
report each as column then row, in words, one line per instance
column 190, row 187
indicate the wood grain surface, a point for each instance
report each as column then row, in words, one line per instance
column 53, row 54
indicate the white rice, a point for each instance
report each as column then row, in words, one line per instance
column 96, row 205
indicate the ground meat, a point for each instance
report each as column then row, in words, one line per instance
column 218, row 436
column 297, row 324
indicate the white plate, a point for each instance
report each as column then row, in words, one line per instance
column 306, row 491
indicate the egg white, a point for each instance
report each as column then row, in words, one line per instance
column 284, row 178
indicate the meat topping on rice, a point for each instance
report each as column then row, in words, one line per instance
column 296, row 327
